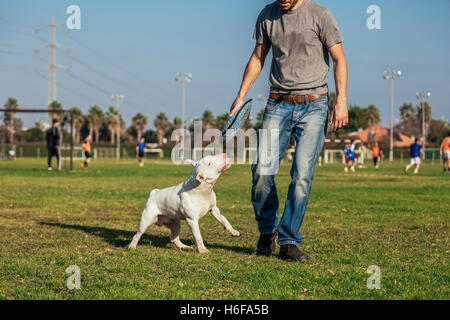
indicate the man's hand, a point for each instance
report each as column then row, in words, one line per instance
column 339, row 115
column 238, row 102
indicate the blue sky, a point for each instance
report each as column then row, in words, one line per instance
column 135, row 47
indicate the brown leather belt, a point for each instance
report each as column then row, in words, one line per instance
column 297, row 99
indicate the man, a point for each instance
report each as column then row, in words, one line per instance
column 54, row 137
column 415, row 149
column 377, row 153
column 87, row 151
column 445, row 153
column 301, row 34
column 140, row 151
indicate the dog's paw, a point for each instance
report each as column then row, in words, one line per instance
column 184, row 247
column 235, row 233
column 132, row 246
column 203, row 250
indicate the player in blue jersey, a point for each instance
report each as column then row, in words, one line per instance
column 349, row 157
column 415, row 152
column 140, row 151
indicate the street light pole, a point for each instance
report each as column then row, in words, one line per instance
column 118, row 98
column 183, row 78
column 422, row 96
column 392, row 75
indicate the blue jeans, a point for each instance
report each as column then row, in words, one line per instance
column 308, row 122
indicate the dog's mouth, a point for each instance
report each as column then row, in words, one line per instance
column 226, row 166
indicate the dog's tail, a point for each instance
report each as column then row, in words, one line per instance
column 153, row 192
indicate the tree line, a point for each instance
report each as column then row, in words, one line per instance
column 104, row 125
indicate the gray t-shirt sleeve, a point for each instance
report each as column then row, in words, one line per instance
column 329, row 33
column 260, row 33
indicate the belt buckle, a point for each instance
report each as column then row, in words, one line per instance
column 295, row 97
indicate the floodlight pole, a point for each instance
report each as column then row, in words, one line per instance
column 392, row 75
column 183, row 78
column 118, row 98
column 422, row 96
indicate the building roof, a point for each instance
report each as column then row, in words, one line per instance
column 380, row 134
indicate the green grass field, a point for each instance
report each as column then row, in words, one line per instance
column 50, row 220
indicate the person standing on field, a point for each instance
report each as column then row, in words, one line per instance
column 87, row 151
column 140, row 151
column 445, row 153
column 301, row 34
column 415, row 152
column 54, row 138
column 377, row 153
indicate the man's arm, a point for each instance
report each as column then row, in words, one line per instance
column 252, row 71
column 339, row 115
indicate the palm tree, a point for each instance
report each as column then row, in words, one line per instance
column 9, row 127
column 373, row 115
column 139, row 123
column 407, row 111
column 427, row 108
column 176, row 123
column 55, row 105
column 96, row 119
column 112, row 121
column 78, row 120
column 208, row 120
column 221, row 120
column 161, row 124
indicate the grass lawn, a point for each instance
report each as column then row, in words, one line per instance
column 50, row 220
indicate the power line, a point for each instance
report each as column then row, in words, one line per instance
column 150, row 84
column 22, row 54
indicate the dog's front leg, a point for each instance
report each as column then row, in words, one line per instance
column 195, row 229
column 221, row 218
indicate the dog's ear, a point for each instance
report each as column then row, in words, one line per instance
column 191, row 162
column 200, row 177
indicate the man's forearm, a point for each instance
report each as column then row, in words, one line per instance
column 252, row 71
column 340, row 78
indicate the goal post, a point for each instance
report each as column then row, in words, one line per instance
column 71, row 148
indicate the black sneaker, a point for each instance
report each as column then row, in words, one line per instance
column 292, row 252
column 266, row 244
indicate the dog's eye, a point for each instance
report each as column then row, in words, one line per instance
column 209, row 164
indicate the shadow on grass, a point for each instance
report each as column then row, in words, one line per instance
column 121, row 238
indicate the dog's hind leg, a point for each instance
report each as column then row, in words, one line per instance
column 175, row 229
column 149, row 217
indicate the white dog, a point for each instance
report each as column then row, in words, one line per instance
column 190, row 200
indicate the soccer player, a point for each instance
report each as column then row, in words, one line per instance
column 415, row 152
column 140, row 151
column 345, row 153
column 53, row 144
column 445, row 153
column 352, row 156
column 377, row 154
column 87, row 151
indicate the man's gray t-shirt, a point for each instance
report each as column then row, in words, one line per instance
column 300, row 41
